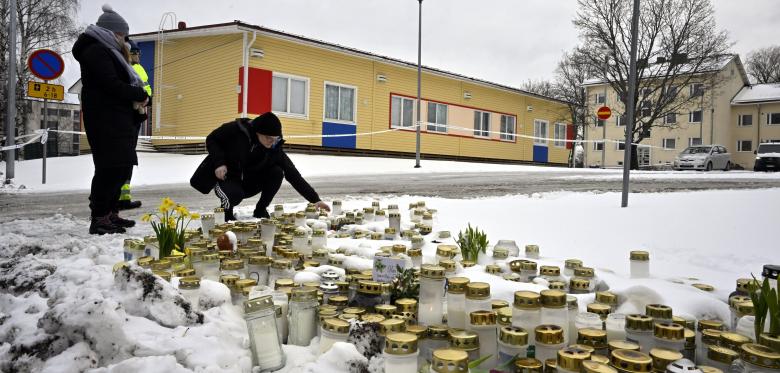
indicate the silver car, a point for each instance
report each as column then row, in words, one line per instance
column 703, row 157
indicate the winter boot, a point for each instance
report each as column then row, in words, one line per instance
column 126, row 204
column 261, row 213
column 102, row 225
column 229, row 215
column 124, row 223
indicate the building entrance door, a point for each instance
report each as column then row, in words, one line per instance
column 643, row 156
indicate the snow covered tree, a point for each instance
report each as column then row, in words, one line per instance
column 763, row 65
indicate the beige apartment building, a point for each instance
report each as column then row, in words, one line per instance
column 734, row 114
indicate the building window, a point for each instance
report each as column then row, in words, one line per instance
column 508, row 127
column 694, row 141
column 670, row 118
column 621, row 120
column 340, row 102
column 289, row 95
column 481, row 123
column 601, row 98
column 646, row 107
column 540, row 131
column 669, row 144
column 77, row 115
column 401, row 112
column 560, row 135
column 694, row 116
column 773, row 119
column 696, row 89
column 745, row 120
column 671, row 92
column 598, row 146
column 745, row 145
column 620, row 145
column 437, row 117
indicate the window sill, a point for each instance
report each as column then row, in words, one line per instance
column 339, row 121
column 284, row 114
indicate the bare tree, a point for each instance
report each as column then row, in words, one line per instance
column 678, row 45
column 763, row 65
column 40, row 24
column 540, row 87
column 571, row 73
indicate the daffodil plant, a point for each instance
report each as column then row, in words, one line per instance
column 169, row 223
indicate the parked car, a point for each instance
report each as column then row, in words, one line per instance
column 703, row 157
column 767, row 157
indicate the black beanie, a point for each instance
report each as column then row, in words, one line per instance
column 267, row 124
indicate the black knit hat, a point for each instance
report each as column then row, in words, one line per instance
column 267, row 124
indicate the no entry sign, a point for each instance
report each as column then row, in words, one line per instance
column 604, row 112
column 45, row 64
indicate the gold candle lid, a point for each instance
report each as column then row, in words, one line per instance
column 639, row 322
column 386, row 310
column 770, row 340
column 161, row 265
column 601, row 359
column 622, row 345
column 414, row 253
column 745, row 308
column 579, row 283
column 282, row 264
column 527, row 265
column 528, row 365
column 492, row 269
column 572, row 263
column 338, row 300
column 398, row 249
column 355, row 310
column 369, row 287
column 584, row 272
column 662, row 357
column 583, row 347
column 709, row 324
column 406, row 305
column 704, row 287
column 504, row 316
column 500, row 253
column 467, row 263
column 176, row 259
column 734, row 299
column 477, row 290
column 189, row 283
column 372, row 318
column 392, row 326
column 310, row 264
column 571, row 358
column 685, row 323
column 640, row 255
column 229, row 280
column 464, row 340
column 709, row 369
column 457, row 285
column 186, row 272
column 733, row 340
column 557, row 285
column 550, row 366
column 447, row 360
column 482, row 318
column 632, row 361
column 258, row 304
column 720, row 354
column 743, row 285
column 303, row 295
column 210, row 257
column 710, row 336
column 531, row 249
column 400, row 343
column 690, row 339
column 497, row 304
column 439, row 332
column 245, row 283
column 447, row 251
column 572, row 302
column 513, row 336
column 593, row 366
column 595, row 338
column 552, row 298
column 335, row 325
column 549, row 334
column 659, row 311
column 447, row 264
column 348, row 316
column 527, row 300
column 421, row 331
column 601, row 309
column 145, row 261
column 432, row 272
column 259, row 260
column 668, row 331
column 550, row 271
column 607, row 297
column 760, row 355
column 282, row 282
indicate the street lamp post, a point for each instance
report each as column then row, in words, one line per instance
column 631, row 101
column 419, row 78
column 10, row 118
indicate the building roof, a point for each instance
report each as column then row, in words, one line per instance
column 238, row 26
column 717, row 63
column 758, row 93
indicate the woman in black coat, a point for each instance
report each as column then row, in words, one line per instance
column 110, row 91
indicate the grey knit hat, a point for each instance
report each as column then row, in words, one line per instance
column 111, row 20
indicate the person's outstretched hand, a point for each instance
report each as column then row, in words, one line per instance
column 221, row 171
column 322, row 206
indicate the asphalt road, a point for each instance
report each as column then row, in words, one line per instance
column 448, row 185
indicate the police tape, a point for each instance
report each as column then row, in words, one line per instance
column 36, row 137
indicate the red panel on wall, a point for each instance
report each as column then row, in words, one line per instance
column 259, row 98
column 569, row 135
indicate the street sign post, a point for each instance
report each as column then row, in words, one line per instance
column 45, row 64
column 604, row 112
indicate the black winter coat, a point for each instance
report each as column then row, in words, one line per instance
column 107, row 100
column 235, row 146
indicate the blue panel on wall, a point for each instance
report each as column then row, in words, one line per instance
column 147, row 59
column 338, row 129
column 540, row 153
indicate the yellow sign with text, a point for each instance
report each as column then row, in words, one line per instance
column 46, row 91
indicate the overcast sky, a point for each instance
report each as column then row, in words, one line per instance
column 504, row 41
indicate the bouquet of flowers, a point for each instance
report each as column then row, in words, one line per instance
column 169, row 223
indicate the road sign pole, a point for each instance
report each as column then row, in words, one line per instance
column 632, row 78
column 10, row 118
column 46, row 139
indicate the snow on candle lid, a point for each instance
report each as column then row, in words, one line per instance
column 571, row 358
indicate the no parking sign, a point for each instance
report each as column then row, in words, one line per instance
column 45, row 64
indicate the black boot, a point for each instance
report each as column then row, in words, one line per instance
column 261, row 213
column 102, row 225
column 126, row 204
column 229, row 215
column 118, row 221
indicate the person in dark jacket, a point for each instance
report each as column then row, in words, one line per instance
column 111, row 90
column 246, row 158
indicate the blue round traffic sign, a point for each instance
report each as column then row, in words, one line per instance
column 45, row 64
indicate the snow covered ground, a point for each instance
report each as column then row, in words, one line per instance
column 62, row 310
column 75, row 173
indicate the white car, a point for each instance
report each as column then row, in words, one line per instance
column 703, row 157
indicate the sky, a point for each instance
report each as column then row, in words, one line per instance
column 504, row 41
